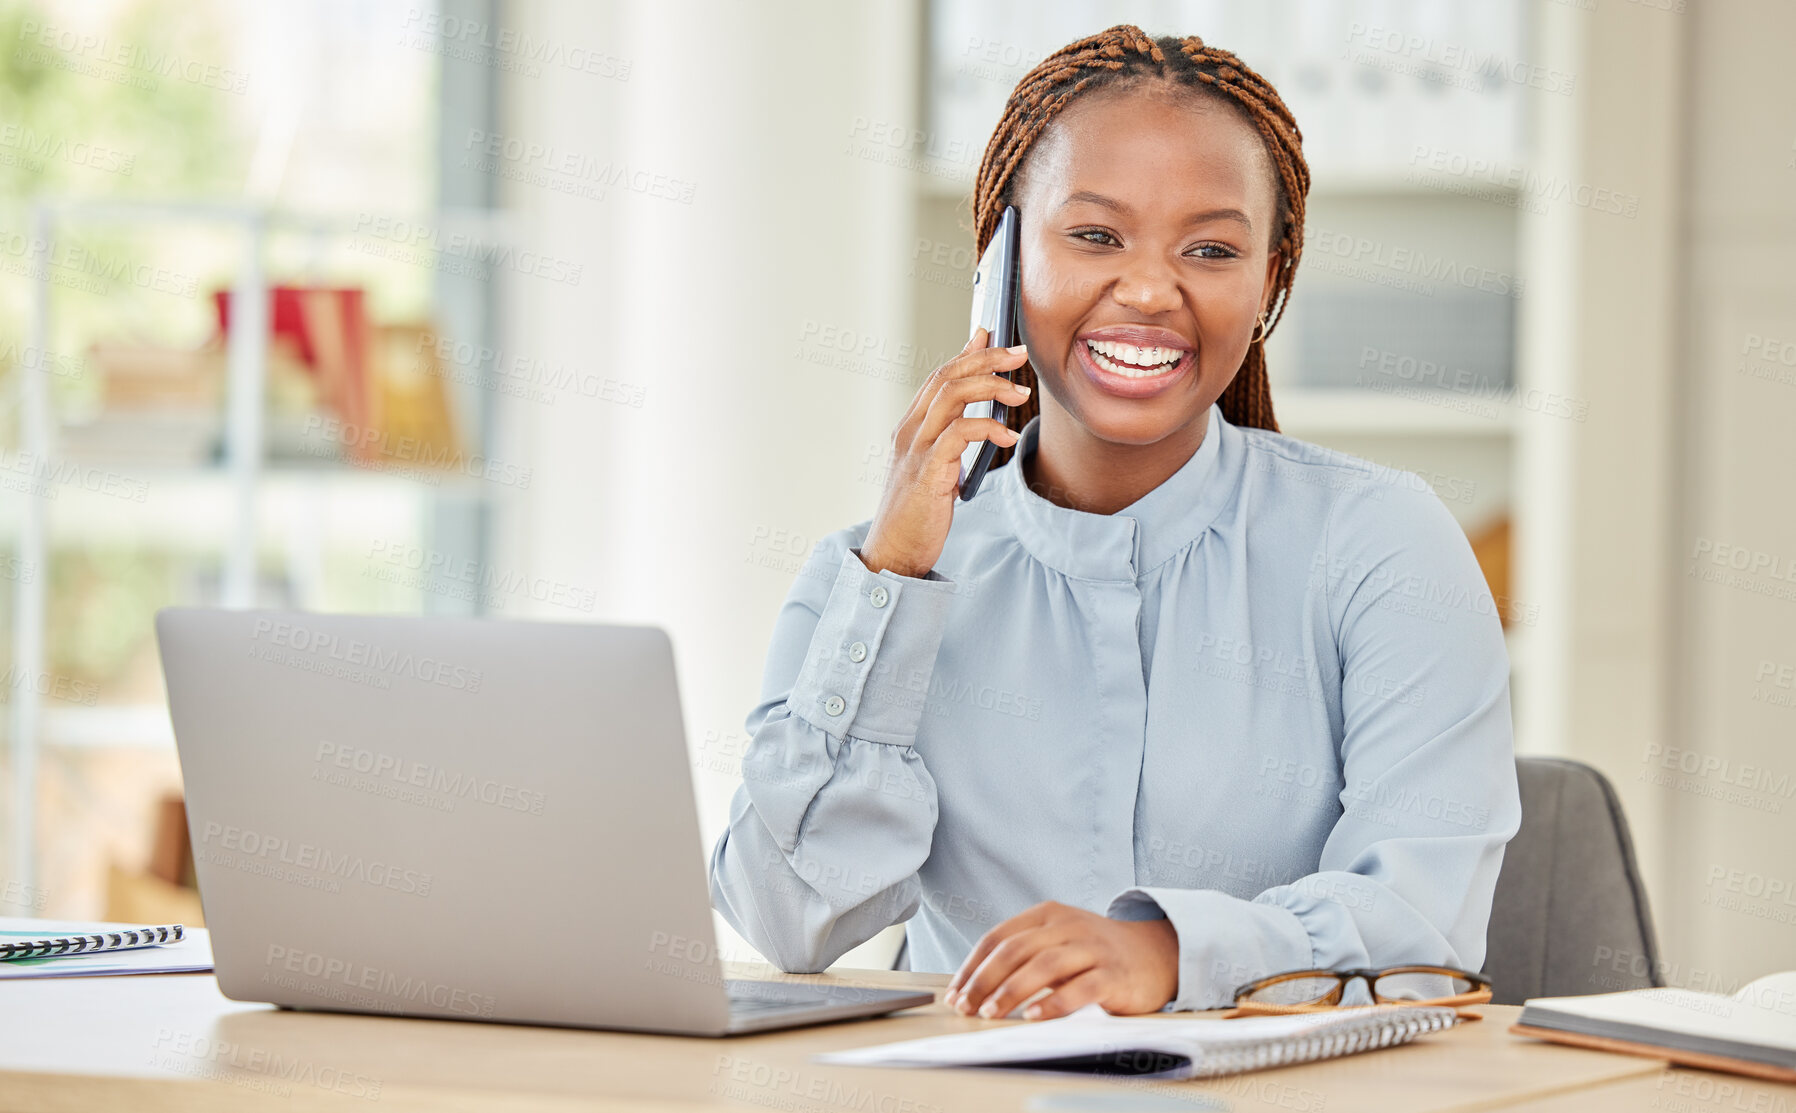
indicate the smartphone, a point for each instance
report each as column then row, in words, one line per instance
column 997, row 299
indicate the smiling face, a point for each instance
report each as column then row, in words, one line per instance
column 1147, row 220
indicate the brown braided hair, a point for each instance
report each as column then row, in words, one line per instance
column 1121, row 55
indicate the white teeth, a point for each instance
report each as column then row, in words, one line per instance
column 1144, row 361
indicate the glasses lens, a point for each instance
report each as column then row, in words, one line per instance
column 1295, row 991
column 1420, row 986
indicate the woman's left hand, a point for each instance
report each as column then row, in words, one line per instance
column 1127, row 966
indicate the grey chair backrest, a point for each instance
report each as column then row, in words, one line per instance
column 1570, row 915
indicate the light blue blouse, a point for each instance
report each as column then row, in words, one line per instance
column 1269, row 701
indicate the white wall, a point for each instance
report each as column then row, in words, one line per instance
column 1599, row 325
column 1731, row 839
column 742, row 450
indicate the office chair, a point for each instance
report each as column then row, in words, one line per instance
column 1570, row 915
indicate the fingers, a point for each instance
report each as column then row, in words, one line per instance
column 1045, row 970
column 952, row 400
column 1002, row 961
column 1022, row 921
column 938, row 472
column 979, row 367
column 985, row 360
column 944, row 457
column 926, row 392
column 1072, row 995
column 1047, row 925
column 1054, row 959
column 978, row 353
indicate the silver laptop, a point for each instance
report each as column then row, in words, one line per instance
column 456, row 818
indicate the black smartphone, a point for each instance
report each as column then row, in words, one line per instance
column 997, row 299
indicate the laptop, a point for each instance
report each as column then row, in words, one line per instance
column 457, row 818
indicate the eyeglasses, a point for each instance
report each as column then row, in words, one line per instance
column 1314, row 990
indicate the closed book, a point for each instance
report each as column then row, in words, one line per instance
column 1752, row 1032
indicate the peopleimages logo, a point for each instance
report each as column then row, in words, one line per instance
column 243, row 846
column 367, row 655
column 456, row 252
column 338, row 975
column 366, row 446
column 65, row 259
column 431, row 778
column 507, row 48
column 87, row 52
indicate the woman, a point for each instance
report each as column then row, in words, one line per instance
column 1175, row 702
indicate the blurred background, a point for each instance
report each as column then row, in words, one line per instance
column 605, row 312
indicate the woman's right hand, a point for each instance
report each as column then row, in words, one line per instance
column 911, row 526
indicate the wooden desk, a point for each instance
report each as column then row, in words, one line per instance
column 171, row 1042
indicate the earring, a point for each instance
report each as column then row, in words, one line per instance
column 1259, row 330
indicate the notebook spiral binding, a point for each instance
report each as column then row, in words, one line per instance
column 77, row 944
column 1365, row 1034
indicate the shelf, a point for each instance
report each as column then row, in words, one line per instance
column 1393, row 184
column 1350, row 411
column 1397, row 183
column 180, row 494
column 105, row 210
column 183, row 510
column 397, row 474
column 143, row 726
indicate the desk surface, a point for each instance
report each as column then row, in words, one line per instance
column 173, row 1042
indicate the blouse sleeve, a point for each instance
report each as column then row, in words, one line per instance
column 1427, row 757
column 836, row 811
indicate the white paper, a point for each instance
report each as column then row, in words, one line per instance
column 1092, row 1031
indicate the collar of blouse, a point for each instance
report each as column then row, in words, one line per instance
column 1139, row 537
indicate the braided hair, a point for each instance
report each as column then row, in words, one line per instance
column 1121, row 55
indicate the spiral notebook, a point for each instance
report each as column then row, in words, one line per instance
column 52, row 946
column 71, row 948
column 1092, row 1041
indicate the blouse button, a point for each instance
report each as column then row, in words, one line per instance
column 879, row 595
column 857, row 652
column 834, row 705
